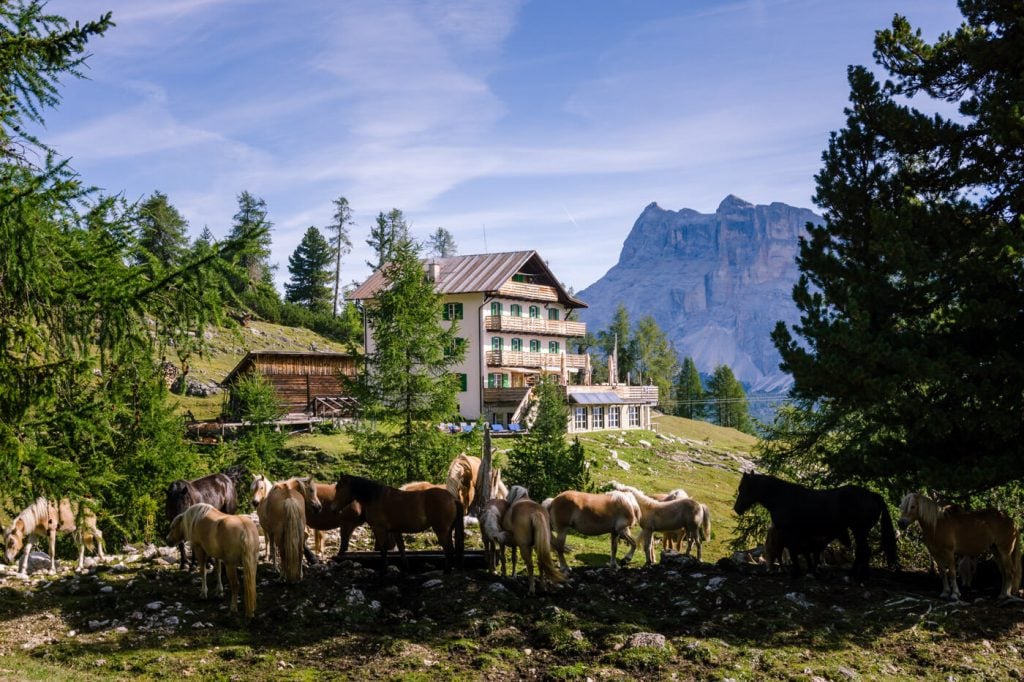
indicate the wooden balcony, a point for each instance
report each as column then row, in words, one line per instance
column 505, row 396
column 548, row 361
column 535, row 326
column 644, row 394
column 530, row 292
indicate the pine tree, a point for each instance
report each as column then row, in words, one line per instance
column 408, row 387
column 541, row 460
column 655, row 358
column 388, row 232
column 730, row 407
column 310, row 274
column 689, row 392
column 251, row 217
column 442, row 244
column 911, row 365
column 162, row 231
column 617, row 336
column 341, row 244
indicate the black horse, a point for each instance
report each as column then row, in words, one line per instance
column 808, row 520
column 216, row 489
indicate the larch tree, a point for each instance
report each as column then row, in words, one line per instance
column 309, row 268
column 387, row 233
column 689, row 392
column 908, row 360
column 441, row 243
column 654, row 357
column 163, row 231
column 616, row 339
column 341, row 244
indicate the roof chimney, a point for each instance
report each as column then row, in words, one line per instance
column 433, row 271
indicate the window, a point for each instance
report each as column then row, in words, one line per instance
column 613, row 417
column 463, row 383
column 457, row 346
column 506, row 380
column 517, row 344
column 534, row 312
column 452, row 311
column 534, row 346
column 520, row 277
column 634, row 415
column 597, row 417
column 553, row 347
column 580, row 418
column 496, row 309
column 497, row 380
column 515, row 310
column 552, row 313
column 495, row 343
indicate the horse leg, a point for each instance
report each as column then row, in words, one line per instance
column 647, row 539
column 217, row 566
column 181, row 555
column 318, row 542
column 528, row 561
column 26, row 551
column 559, row 543
column 232, row 571
column 200, row 556
column 501, row 548
column 80, row 541
column 632, row 545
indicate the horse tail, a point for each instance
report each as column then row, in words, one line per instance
column 293, row 534
column 1015, row 565
column 460, row 533
column 250, row 559
column 888, row 536
column 542, row 543
column 705, row 523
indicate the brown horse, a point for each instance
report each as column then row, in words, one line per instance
column 319, row 520
column 529, row 529
column 390, row 512
column 682, row 512
column 282, row 514
column 951, row 531
column 462, row 481
column 45, row 517
column 593, row 514
column 232, row 540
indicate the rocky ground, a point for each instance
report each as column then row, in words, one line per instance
column 137, row 615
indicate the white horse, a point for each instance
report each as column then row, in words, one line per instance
column 685, row 513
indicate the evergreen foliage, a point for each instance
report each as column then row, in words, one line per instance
column 254, row 401
column 730, row 407
column 541, row 460
column 389, row 231
column 162, row 231
column 442, row 244
column 341, row 243
column 618, row 335
column 689, row 392
column 310, row 274
column 910, row 372
column 408, row 387
column 653, row 356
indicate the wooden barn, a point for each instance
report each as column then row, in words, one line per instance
column 306, row 382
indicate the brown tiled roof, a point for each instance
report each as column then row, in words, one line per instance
column 476, row 273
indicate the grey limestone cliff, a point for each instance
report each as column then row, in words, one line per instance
column 716, row 283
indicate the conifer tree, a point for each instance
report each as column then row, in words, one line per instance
column 341, row 244
column 389, row 231
column 689, row 392
column 618, row 336
column 730, row 406
column 162, row 231
column 310, row 274
column 654, row 357
column 911, row 366
column 442, row 244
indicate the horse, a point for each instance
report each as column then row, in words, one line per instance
column 494, row 537
column 593, row 514
column 808, row 520
column 680, row 512
column 351, row 517
column 672, row 539
column 282, row 514
column 462, row 480
column 529, row 528
column 318, row 519
column 232, row 540
column 951, row 531
column 46, row 517
column 391, row 512
column 217, row 490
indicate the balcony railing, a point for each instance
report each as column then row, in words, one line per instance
column 548, row 361
column 533, row 325
column 532, row 292
column 505, row 396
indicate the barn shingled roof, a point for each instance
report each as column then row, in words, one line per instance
column 484, row 273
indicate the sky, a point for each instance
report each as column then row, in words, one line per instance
column 545, row 125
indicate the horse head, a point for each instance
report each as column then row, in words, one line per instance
column 910, row 510
column 14, row 538
column 307, row 486
column 259, row 489
column 516, row 493
column 342, row 493
column 746, row 495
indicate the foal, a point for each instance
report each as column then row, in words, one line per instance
column 681, row 512
column 46, row 517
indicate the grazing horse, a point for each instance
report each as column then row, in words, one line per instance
column 593, row 514
column 808, row 520
column 391, row 512
column 462, row 481
column 232, row 540
column 46, row 517
column 679, row 512
column 951, row 531
column 495, row 538
column 217, row 490
column 282, row 514
column 529, row 528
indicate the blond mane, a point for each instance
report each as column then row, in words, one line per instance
column 928, row 512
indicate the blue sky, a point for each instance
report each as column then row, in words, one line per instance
column 544, row 125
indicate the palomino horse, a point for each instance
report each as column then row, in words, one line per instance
column 672, row 539
column 529, row 529
column 495, row 538
column 682, row 512
column 808, row 520
column 593, row 514
column 44, row 517
column 391, row 512
column 462, row 480
column 217, row 490
column 320, row 519
column 232, row 540
column 282, row 514
column 951, row 531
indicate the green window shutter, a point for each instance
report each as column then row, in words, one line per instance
column 506, row 380
column 458, row 311
column 552, row 313
column 446, row 311
column 534, row 346
column 553, row 347
column 463, row 383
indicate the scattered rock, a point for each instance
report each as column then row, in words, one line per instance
column 431, row 584
column 715, row 584
column 155, row 605
column 652, row 640
column 107, row 589
column 799, row 599
column 645, row 443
